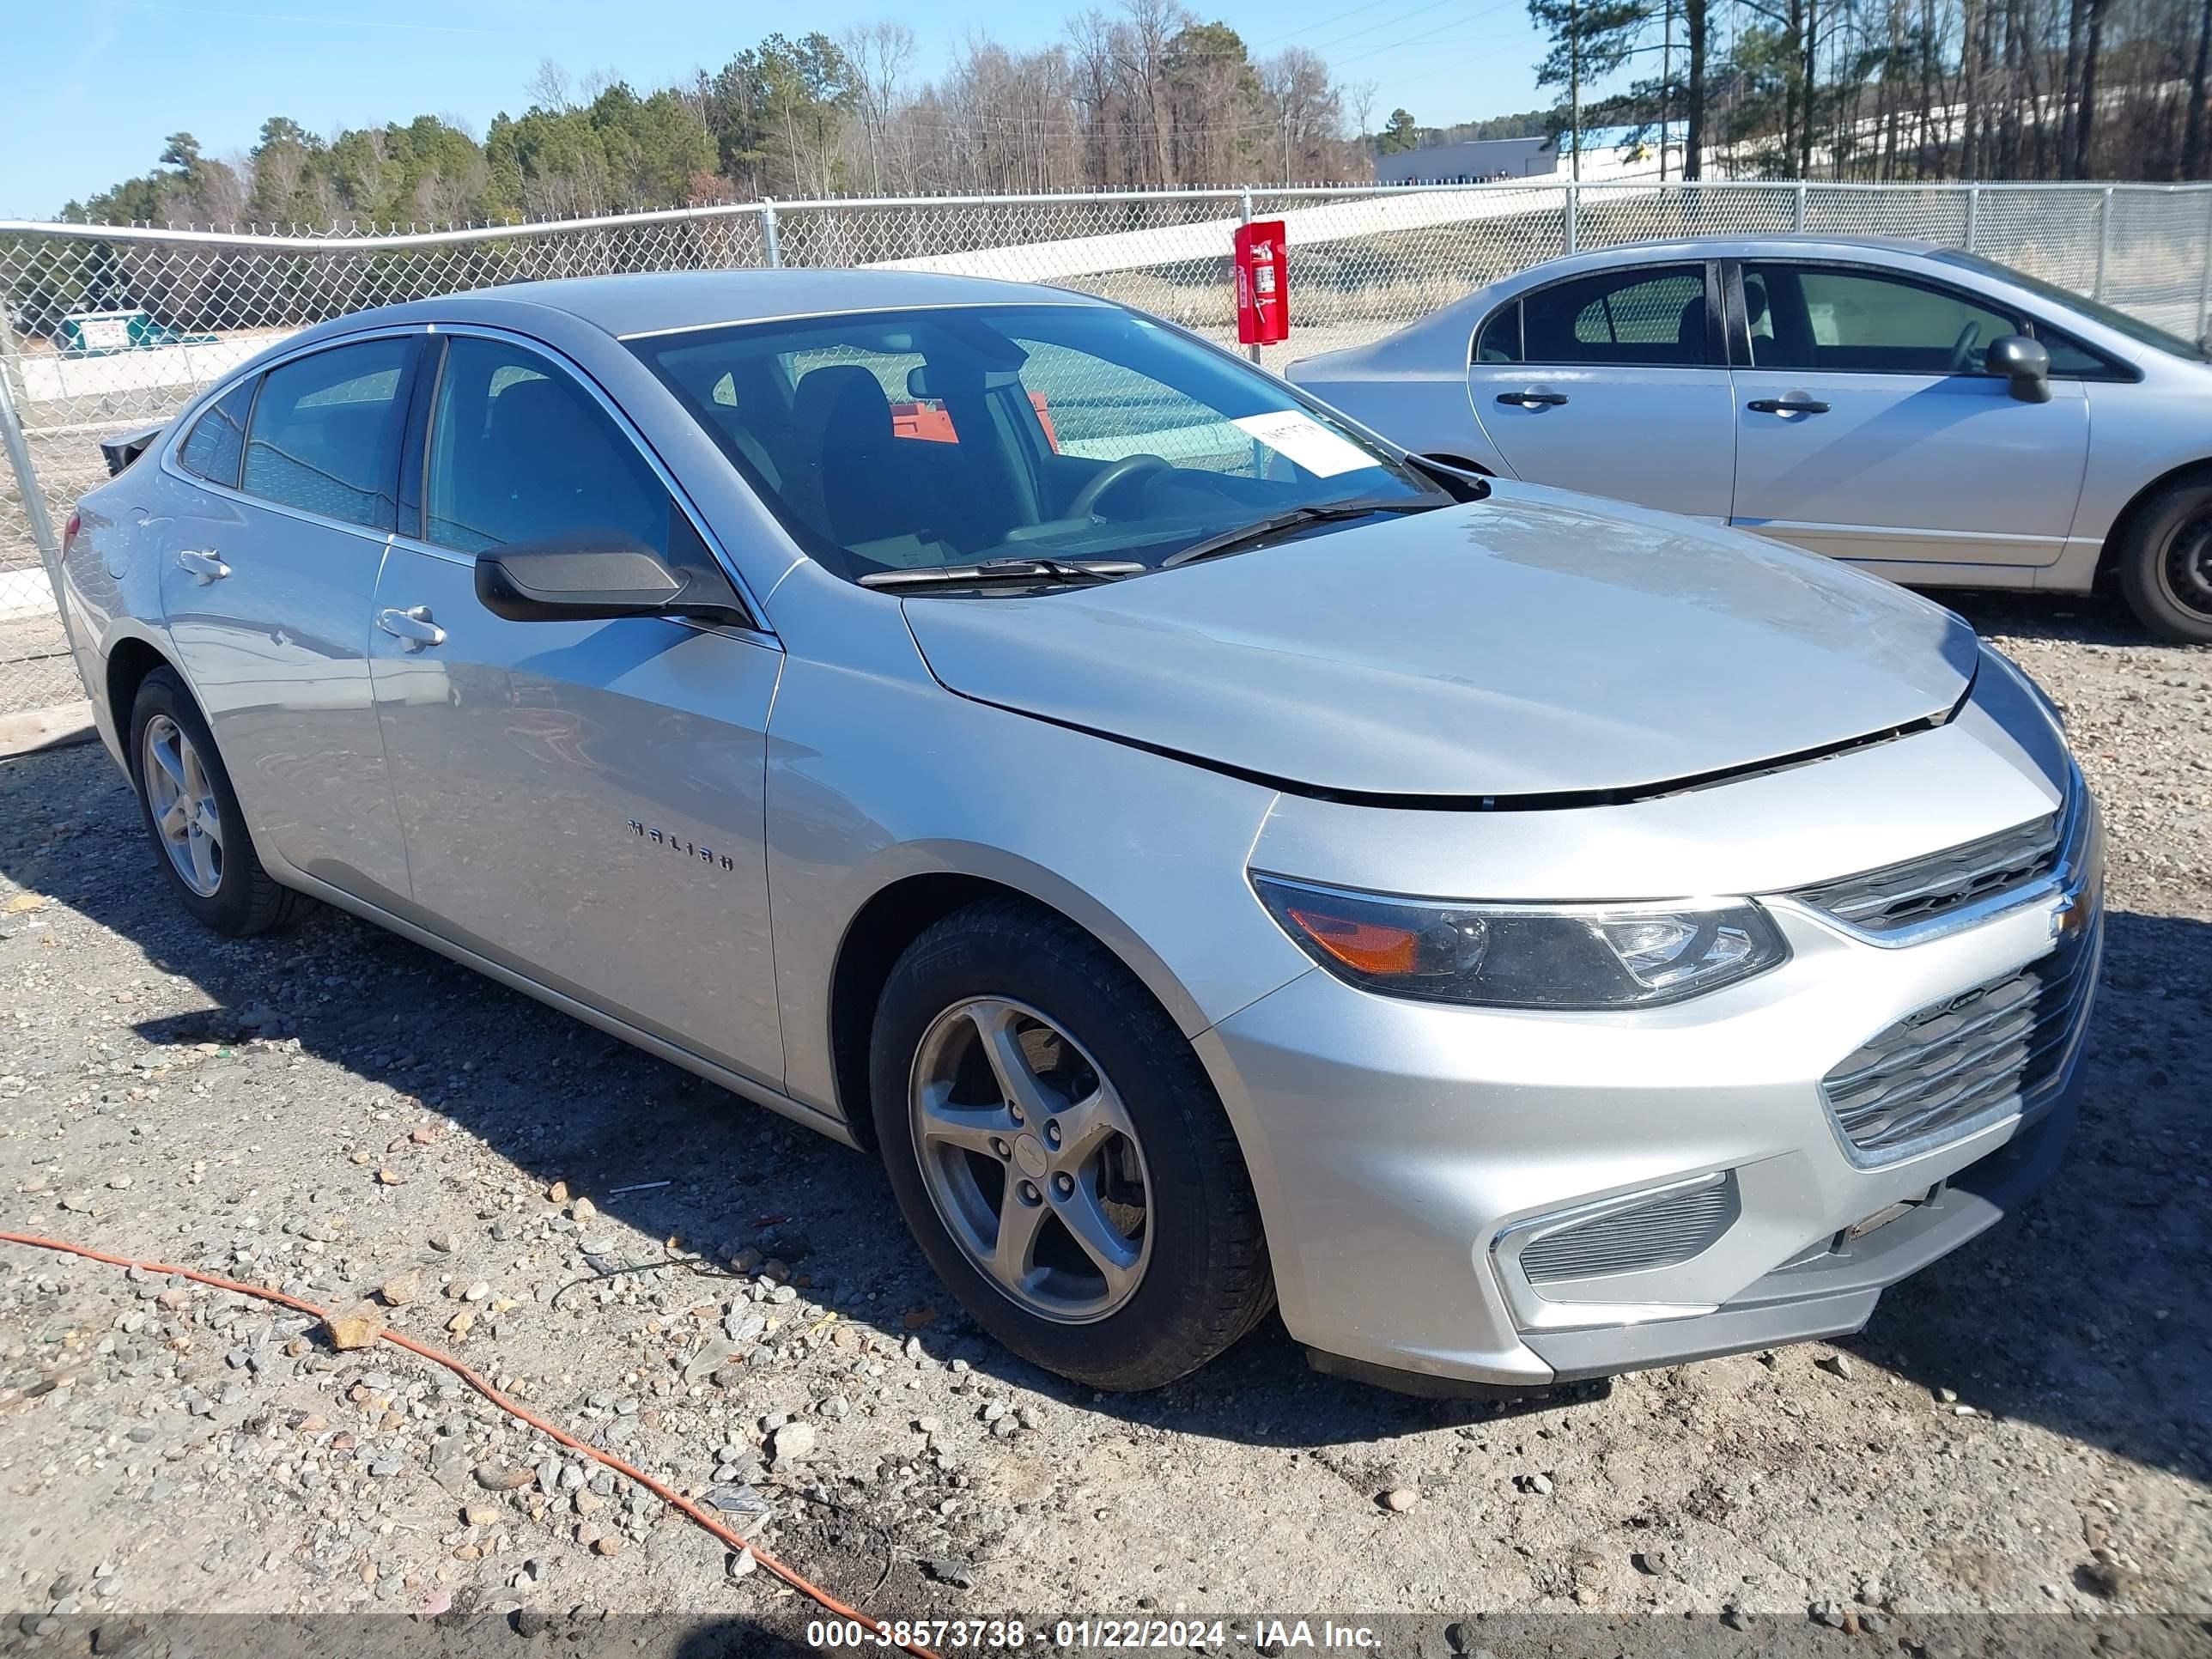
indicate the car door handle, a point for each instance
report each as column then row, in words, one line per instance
column 1787, row 406
column 206, row 566
column 413, row 625
column 1532, row 400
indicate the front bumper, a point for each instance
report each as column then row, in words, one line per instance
column 1404, row 1152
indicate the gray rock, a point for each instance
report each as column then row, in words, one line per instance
column 793, row 1440
column 950, row 1569
column 710, row 1358
column 746, row 1509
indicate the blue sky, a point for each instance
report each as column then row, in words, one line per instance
column 97, row 86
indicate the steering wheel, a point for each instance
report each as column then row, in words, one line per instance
column 1130, row 466
column 1962, row 348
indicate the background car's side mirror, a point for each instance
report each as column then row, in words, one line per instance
column 2025, row 363
column 588, row 578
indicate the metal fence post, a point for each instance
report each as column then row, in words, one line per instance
column 1797, row 208
column 769, row 249
column 1571, row 229
column 1973, row 214
column 2104, row 242
column 1244, row 209
column 2204, row 287
column 14, row 397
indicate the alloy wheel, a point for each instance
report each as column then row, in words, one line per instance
column 186, row 814
column 1032, row 1160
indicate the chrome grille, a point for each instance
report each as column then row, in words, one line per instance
column 1972, row 1059
column 1899, row 895
column 1669, row 1230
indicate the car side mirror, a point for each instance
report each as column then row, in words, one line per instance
column 2025, row 363
column 593, row 577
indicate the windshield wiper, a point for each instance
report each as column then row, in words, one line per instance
column 1230, row 541
column 1023, row 569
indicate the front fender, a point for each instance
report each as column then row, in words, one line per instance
column 875, row 779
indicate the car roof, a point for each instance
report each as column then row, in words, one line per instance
column 1770, row 244
column 665, row 301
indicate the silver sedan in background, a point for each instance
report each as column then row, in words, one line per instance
column 1212, row 858
column 1937, row 417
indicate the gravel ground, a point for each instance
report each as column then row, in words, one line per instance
column 2023, row 1428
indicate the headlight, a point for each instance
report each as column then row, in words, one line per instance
column 1525, row 955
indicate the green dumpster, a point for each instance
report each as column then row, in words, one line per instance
column 101, row 333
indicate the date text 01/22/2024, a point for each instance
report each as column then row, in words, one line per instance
column 1268, row 1635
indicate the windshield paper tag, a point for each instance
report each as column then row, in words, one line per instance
column 1306, row 441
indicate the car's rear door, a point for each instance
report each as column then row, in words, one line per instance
column 1614, row 382
column 269, row 563
column 583, row 801
column 1868, row 430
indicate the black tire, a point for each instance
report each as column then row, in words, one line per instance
column 246, row 900
column 2165, row 562
column 1207, row 1282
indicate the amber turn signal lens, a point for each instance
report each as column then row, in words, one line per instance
column 1365, row 947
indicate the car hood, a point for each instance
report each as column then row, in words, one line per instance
column 1534, row 644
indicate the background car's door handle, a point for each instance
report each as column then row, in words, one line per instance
column 206, row 566
column 413, row 625
column 1787, row 406
column 1532, row 400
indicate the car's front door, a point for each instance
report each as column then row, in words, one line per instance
column 269, row 563
column 1614, row 383
column 583, row 800
column 1867, row 428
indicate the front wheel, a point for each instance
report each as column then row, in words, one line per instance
column 1059, row 1154
column 2165, row 563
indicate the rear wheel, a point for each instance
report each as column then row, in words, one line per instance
column 193, row 816
column 2164, row 561
column 1059, row 1153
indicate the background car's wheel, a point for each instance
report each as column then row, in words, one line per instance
column 191, row 814
column 2165, row 563
column 1059, row 1153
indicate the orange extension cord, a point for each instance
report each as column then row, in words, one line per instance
column 790, row 1576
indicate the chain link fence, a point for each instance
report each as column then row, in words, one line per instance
column 104, row 328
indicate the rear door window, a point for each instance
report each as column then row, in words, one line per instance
column 216, row 444
column 1500, row 339
column 1646, row 317
column 326, row 429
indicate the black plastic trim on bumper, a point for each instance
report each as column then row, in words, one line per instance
column 1835, row 1294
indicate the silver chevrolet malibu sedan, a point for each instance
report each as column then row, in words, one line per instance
column 1216, row 859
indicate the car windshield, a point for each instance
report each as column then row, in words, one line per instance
column 1026, row 439
column 2118, row 321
